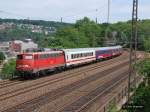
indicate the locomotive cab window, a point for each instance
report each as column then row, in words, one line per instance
column 19, row 57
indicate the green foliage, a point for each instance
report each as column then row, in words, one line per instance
column 70, row 37
column 123, row 30
column 8, row 69
column 91, row 31
column 84, row 33
column 35, row 22
column 143, row 67
column 142, row 94
column 2, row 56
column 112, row 107
column 141, row 98
column 19, row 34
column 146, row 44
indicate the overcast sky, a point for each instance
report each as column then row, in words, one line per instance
column 72, row 10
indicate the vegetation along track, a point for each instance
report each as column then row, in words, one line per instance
column 42, row 83
column 41, row 100
column 7, row 83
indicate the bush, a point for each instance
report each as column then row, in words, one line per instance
column 8, row 69
column 2, row 56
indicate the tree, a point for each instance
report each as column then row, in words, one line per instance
column 84, row 33
column 2, row 56
column 144, row 69
column 91, row 30
column 146, row 45
column 8, row 69
column 70, row 37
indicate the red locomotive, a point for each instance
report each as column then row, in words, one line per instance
column 33, row 63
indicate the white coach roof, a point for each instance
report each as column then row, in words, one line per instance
column 88, row 49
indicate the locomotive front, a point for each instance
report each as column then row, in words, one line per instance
column 24, row 64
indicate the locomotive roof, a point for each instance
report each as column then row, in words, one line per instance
column 49, row 52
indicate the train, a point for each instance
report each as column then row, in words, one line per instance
column 35, row 63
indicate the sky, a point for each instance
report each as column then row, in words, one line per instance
column 72, row 10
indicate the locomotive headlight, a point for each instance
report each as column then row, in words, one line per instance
column 23, row 66
column 26, row 66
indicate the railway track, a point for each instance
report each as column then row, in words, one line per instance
column 108, row 96
column 39, row 85
column 85, row 101
column 41, row 100
column 63, row 101
column 53, row 80
column 7, row 83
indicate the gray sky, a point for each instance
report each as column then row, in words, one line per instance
column 71, row 10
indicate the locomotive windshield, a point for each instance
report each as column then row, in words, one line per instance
column 26, row 57
column 19, row 57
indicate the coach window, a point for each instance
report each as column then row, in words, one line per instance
column 87, row 54
column 72, row 56
column 79, row 55
column 75, row 55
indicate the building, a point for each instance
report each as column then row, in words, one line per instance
column 5, row 48
column 4, row 26
column 20, row 46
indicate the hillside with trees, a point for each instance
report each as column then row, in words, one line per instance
column 19, row 34
column 22, row 29
column 84, row 33
column 35, row 22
